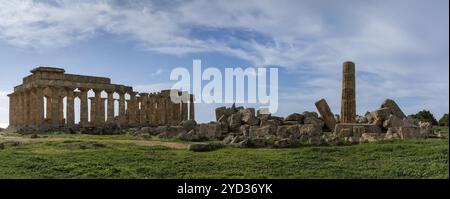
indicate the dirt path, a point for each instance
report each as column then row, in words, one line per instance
column 174, row 145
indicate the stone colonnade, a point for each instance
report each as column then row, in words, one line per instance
column 158, row 109
column 51, row 86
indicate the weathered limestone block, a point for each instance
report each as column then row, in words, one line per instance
column 297, row 117
column 347, row 129
column 369, row 117
column 381, row 114
column 291, row 131
column 309, row 130
column 220, row 112
column 314, row 121
column 371, row 137
column 263, row 114
column 310, row 114
column 244, row 130
column 272, row 124
column 234, row 121
column 325, row 112
column 248, row 116
column 362, row 120
column 290, row 122
column 395, row 109
column 409, row 132
column 188, row 125
column 357, row 131
column 211, row 130
column 392, row 134
column 394, row 121
column 264, row 131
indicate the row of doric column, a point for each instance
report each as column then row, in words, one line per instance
column 27, row 108
column 158, row 109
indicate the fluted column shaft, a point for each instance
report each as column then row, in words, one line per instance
column 70, row 107
column 93, row 112
column 132, row 108
column 144, row 108
column 110, row 103
column 101, row 114
column 27, row 109
column 95, row 107
column 33, row 108
column 54, row 110
column 121, row 107
column 348, row 101
column 84, row 110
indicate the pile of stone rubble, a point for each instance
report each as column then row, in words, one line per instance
column 242, row 127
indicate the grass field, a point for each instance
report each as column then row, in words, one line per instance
column 85, row 156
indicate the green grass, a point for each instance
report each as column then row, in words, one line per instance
column 93, row 157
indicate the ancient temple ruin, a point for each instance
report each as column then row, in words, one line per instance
column 46, row 101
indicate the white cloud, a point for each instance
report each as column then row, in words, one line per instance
column 157, row 72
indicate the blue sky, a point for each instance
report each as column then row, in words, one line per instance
column 400, row 47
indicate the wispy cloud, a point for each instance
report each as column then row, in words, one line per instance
column 157, row 72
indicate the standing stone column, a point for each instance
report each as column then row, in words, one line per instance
column 61, row 96
column 96, row 114
column 40, row 107
column 168, row 110
column 54, row 107
column 84, row 110
column 93, row 110
column 144, row 110
column 20, row 109
column 101, row 114
column 151, row 108
column 176, row 113
column 110, row 111
column 162, row 106
column 325, row 112
column 16, row 112
column 70, row 107
column 121, row 107
column 132, row 108
column 49, row 105
column 191, row 108
column 33, row 108
column 348, row 101
column 27, row 108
